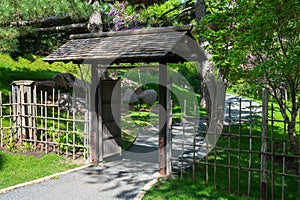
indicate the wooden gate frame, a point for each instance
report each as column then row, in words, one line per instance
column 161, row 45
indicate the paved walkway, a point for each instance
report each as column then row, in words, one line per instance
column 121, row 177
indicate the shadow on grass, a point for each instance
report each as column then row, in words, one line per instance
column 2, row 160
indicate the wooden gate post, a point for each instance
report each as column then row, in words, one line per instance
column 94, row 125
column 264, row 145
column 162, row 118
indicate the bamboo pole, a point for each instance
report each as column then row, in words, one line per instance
column 58, row 123
column 1, row 121
column 194, row 141
column 264, row 145
column 272, row 152
column 250, row 149
column 74, row 133
column 53, row 116
column 283, row 159
column 229, row 146
column 239, row 146
column 46, row 123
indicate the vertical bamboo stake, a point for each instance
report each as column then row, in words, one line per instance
column 34, row 120
column 86, row 131
column 299, row 148
column 58, row 123
column 239, row 145
column 182, row 148
column 22, row 114
column 250, row 152
column 264, row 145
column 194, row 141
column 11, row 116
column 73, row 131
column 272, row 151
column 215, row 163
column 229, row 147
column 207, row 151
column 46, row 123
column 53, row 121
column 1, row 121
column 42, row 120
column 67, row 134
column 283, row 158
column 183, row 137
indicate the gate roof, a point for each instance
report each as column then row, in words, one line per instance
column 163, row 44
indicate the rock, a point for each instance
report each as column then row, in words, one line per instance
column 134, row 98
column 127, row 95
column 65, row 80
column 95, row 21
column 149, row 96
column 46, row 85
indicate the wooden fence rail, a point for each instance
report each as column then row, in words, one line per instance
column 251, row 157
column 45, row 121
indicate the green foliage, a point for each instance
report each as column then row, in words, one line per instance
column 19, row 38
column 266, row 42
column 190, row 72
column 167, row 13
column 258, row 43
column 64, row 139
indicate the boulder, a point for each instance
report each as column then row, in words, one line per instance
column 46, row 85
column 149, row 96
column 64, row 80
column 134, row 98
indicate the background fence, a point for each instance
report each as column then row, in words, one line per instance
column 44, row 121
column 252, row 156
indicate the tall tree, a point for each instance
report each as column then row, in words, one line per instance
column 209, row 85
column 259, row 42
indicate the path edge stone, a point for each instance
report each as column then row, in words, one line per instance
column 149, row 185
column 43, row 179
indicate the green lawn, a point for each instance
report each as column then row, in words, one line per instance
column 19, row 168
column 29, row 68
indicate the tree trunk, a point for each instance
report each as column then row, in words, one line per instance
column 292, row 132
column 200, row 10
column 200, row 13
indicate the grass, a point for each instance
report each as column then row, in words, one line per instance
column 19, row 168
column 29, row 68
column 185, row 189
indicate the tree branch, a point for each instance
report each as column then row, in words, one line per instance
column 185, row 10
column 47, row 20
column 63, row 28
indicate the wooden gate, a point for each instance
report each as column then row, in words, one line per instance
column 109, row 111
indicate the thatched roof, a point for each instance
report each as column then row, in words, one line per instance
column 165, row 44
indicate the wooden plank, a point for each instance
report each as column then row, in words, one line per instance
column 109, row 98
